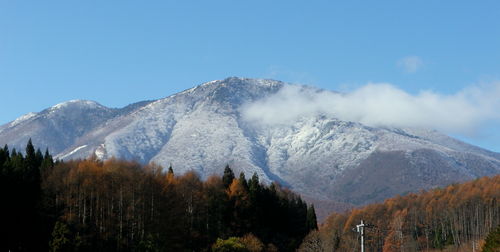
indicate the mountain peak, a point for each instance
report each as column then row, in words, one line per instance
column 250, row 81
column 77, row 102
column 241, row 82
column 232, row 91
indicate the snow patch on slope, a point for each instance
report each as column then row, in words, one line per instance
column 22, row 119
column 100, row 152
column 70, row 153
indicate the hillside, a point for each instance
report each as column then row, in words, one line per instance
column 454, row 218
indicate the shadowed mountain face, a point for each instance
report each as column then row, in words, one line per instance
column 204, row 128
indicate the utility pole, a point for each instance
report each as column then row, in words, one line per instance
column 360, row 228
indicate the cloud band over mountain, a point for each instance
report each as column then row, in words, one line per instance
column 382, row 104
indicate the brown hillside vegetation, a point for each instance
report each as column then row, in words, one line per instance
column 117, row 205
column 455, row 218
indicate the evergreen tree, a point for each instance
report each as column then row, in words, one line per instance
column 233, row 244
column 253, row 184
column 30, row 154
column 4, row 155
column 47, row 154
column 31, row 171
column 228, row 177
column 492, row 242
column 30, row 149
column 170, row 174
column 312, row 223
column 5, row 197
column 243, row 180
column 13, row 152
column 47, row 163
column 6, row 149
column 170, row 170
column 38, row 157
column 255, row 210
column 149, row 244
column 60, row 238
column 32, row 195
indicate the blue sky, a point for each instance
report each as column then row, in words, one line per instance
column 119, row 52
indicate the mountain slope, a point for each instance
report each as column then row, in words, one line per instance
column 204, row 128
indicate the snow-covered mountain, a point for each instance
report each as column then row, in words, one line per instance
column 204, row 128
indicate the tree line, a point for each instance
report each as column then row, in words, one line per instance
column 117, row 205
column 454, row 218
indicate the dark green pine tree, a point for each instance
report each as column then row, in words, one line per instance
column 4, row 160
column 492, row 242
column 253, row 184
column 47, row 207
column 243, row 181
column 47, row 162
column 6, row 195
column 31, row 171
column 4, row 155
column 30, row 151
column 60, row 238
column 228, row 177
column 312, row 222
column 170, row 170
column 16, row 162
column 31, row 190
column 38, row 157
column 254, row 189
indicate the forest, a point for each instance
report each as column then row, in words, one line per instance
column 116, row 205
column 456, row 218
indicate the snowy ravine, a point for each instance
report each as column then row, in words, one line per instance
column 203, row 129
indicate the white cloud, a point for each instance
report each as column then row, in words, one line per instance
column 383, row 105
column 410, row 64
